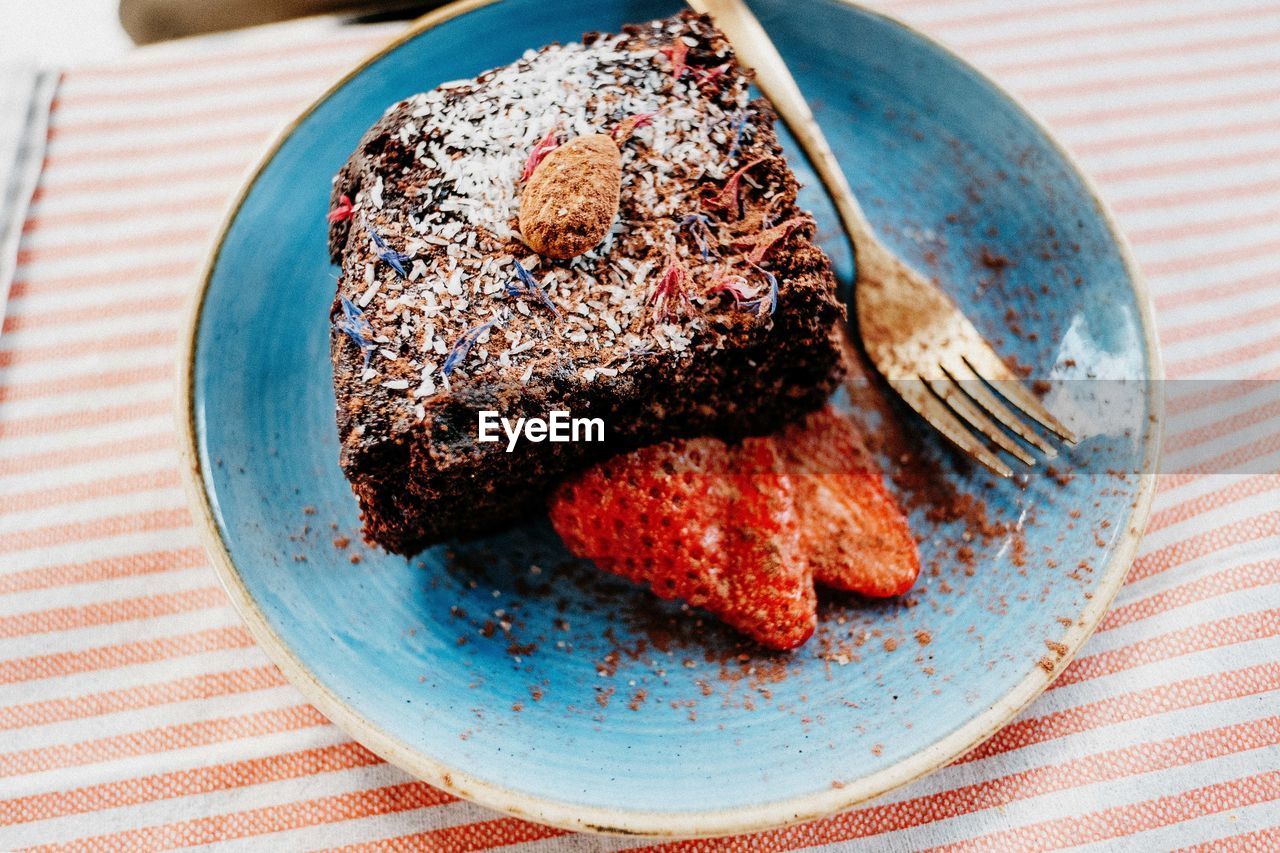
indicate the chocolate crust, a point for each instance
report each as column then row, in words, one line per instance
column 415, row 463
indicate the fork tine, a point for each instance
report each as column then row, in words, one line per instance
column 972, row 384
column 972, row 415
column 933, row 410
column 987, row 364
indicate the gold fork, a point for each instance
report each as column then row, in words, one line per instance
column 915, row 335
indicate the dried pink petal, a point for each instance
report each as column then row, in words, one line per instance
column 671, row 291
column 763, row 242
column 734, row 285
column 678, row 53
column 342, row 211
column 629, row 125
column 728, row 198
column 548, row 143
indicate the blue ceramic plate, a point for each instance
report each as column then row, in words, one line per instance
column 507, row 673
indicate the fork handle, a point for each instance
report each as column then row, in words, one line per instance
column 756, row 50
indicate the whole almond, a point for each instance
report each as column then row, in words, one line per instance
column 571, row 198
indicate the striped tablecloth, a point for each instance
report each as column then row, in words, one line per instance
column 137, row 712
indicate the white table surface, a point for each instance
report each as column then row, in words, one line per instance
column 60, row 33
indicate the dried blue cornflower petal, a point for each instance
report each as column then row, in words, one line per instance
column 377, row 240
column 767, row 304
column 738, row 124
column 527, row 286
column 700, row 229
column 396, row 260
column 353, row 324
column 464, row 345
column 392, row 258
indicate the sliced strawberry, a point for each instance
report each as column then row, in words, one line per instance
column 852, row 530
column 744, row 530
column 699, row 521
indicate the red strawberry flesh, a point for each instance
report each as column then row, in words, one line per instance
column 697, row 520
column 852, row 530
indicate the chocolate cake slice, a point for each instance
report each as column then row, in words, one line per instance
column 704, row 309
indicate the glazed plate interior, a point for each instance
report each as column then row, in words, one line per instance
column 504, row 670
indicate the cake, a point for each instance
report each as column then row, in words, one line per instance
column 703, row 309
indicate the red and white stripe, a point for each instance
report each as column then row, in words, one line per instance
column 136, row 711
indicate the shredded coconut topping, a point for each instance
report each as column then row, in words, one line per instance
column 450, row 216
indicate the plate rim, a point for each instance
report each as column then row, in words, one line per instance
column 614, row 820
